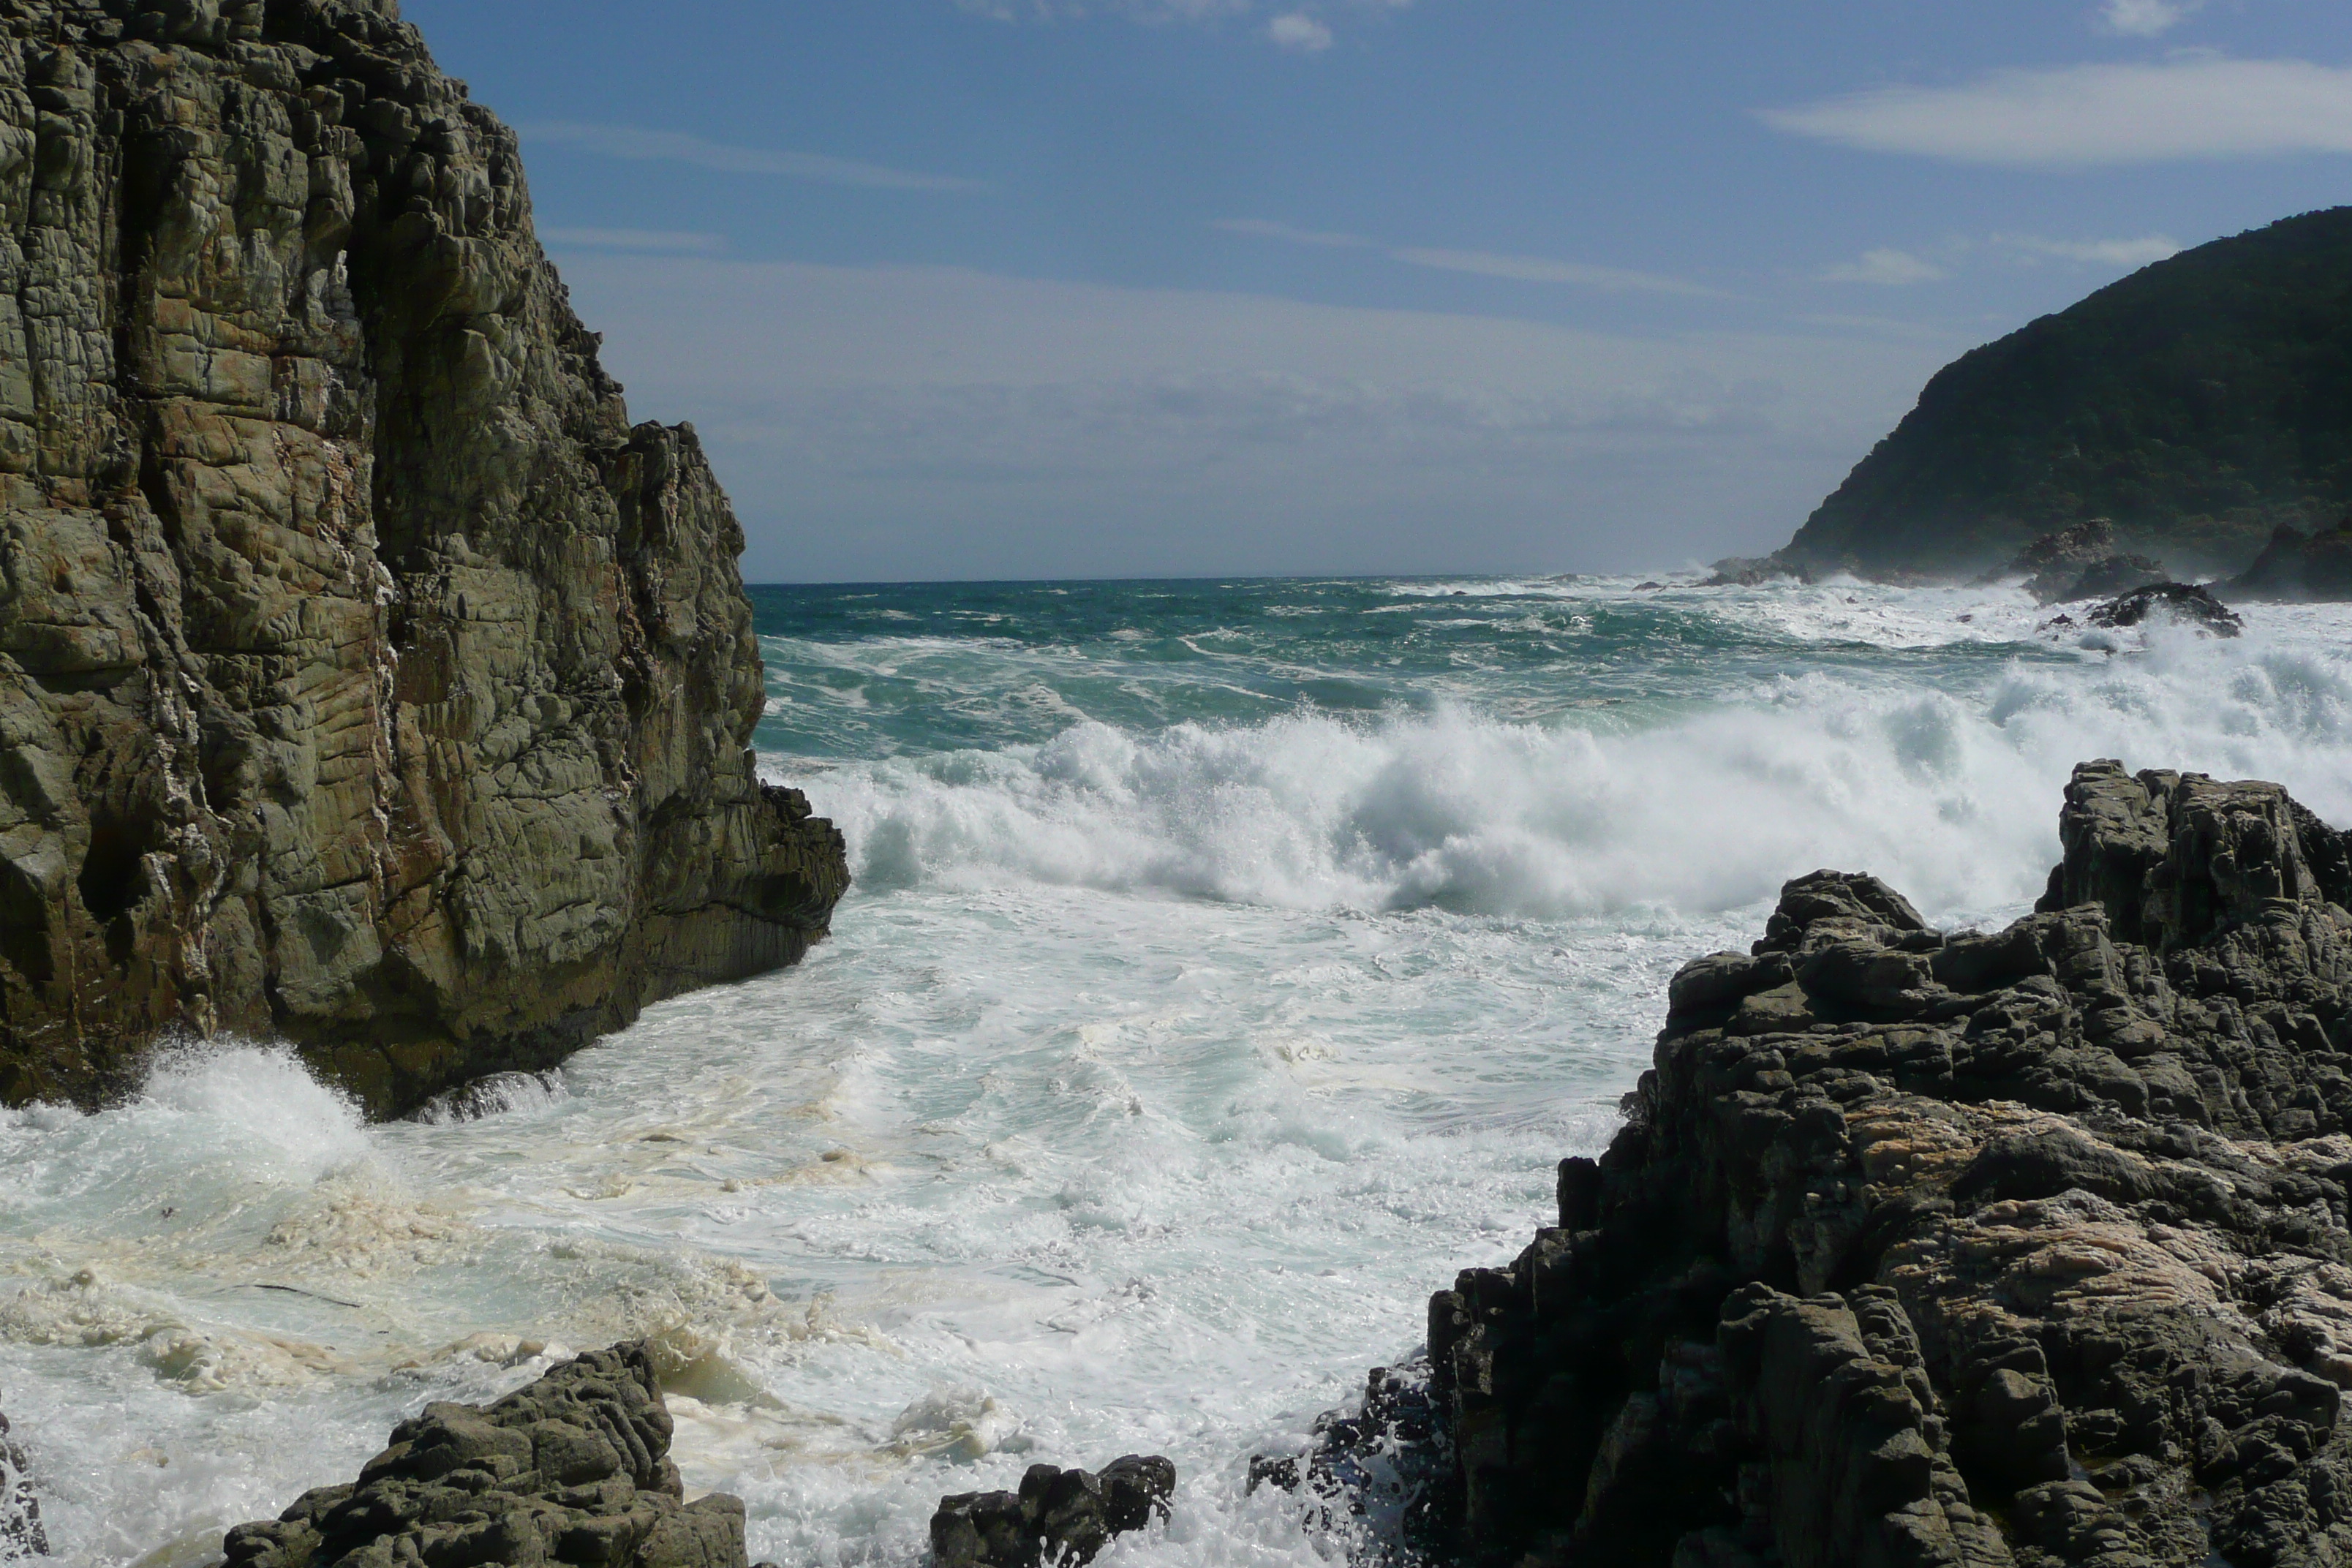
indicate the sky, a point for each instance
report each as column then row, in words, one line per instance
column 1038, row 289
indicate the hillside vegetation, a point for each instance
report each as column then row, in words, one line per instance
column 2199, row 402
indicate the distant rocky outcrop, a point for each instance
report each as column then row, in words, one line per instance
column 573, row 1470
column 1057, row 1517
column 2028, row 1247
column 367, row 679
column 2299, row 567
column 1751, row 571
column 2199, row 402
column 2077, row 562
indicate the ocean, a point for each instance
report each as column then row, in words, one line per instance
column 1230, row 963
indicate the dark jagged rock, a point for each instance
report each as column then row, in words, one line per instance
column 2077, row 562
column 2022, row 1247
column 21, row 1532
column 1057, row 1516
column 1388, row 1459
column 2299, row 567
column 367, row 679
column 573, row 1470
column 2183, row 602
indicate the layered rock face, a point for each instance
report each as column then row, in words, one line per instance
column 2024, row 1247
column 366, row 678
column 573, row 1470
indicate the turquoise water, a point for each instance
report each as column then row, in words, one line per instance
column 1230, row 963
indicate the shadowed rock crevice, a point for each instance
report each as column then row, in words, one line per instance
column 367, row 679
column 2026, row 1247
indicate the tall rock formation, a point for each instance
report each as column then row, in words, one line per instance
column 367, row 679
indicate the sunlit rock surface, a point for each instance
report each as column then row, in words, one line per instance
column 367, row 679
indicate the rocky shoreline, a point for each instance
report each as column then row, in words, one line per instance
column 2027, row 1246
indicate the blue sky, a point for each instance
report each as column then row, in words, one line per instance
column 1085, row 287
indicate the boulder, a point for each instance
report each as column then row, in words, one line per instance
column 1057, row 1516
column 2028, row 1246
column 2182, row 602
column 573, row 1469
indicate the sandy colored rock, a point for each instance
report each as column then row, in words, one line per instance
column 367, row 679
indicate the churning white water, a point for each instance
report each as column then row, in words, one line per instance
column 1230, row 964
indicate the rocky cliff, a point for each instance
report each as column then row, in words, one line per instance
column 367, row 679
column 2201, row 402
column 2027, row 1246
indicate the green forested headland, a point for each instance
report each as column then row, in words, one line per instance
column 2199, row 402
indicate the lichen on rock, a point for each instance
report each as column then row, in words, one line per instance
column 367, row 679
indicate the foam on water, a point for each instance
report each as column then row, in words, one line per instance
column 1230, row 964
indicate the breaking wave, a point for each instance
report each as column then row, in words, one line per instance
column 1949, row 792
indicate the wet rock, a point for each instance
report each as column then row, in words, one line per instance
column 21, row 1533
column 2182, row 602
column 573, row 1470
column 368, row 681
column 2026, row 1247
column 1057, row 1516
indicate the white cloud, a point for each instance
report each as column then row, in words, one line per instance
column 1304, row 31
column 863, row 418
column 1264, row 228
column 1298, row 31
column 675, row 147
column 1886, row 267
column 1541, row 269
column 676, row 241
column 2124, row 253
column 2145, row 18
column 1483, row 263
column 2081, row 116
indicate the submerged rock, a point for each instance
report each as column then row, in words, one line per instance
column 368, row 681
column 2183, row 602
column 2026, row 1247
column 573, row 1470
column 1057, row 1516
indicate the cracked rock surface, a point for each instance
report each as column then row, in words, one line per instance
column 573, row 1470
column 367, row 679
column 2024, row 1248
